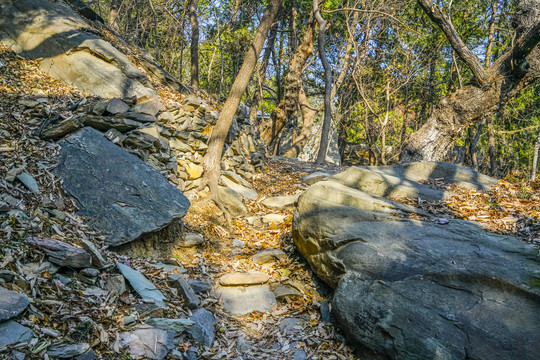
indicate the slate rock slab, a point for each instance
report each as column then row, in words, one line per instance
column 12, row 332
column 61, row 253
column 184, row 291
column 119, row 194
column 203, row 330
column 418, row 289
column 12, row 304
column 67, row 351
column 142, row 285
column 148, row 342
column 241, row 300
column 177, row 325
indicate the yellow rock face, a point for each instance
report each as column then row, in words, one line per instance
column 194, row 171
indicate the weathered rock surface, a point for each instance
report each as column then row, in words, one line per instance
column 148, row 342
column 203, row 331
column 241, row 300
column 11, row 304
column 61, row 253
column 118, row 194
column 12, row 332
column 280, row 202
column 142, row 285
column 67, row 351
column 177, row 325
column 56, row 33
column 268, row 255
column 416, row 289
column 243, row 278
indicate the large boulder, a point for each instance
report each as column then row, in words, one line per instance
column 69, row 49
column 119, row 194
column 418, row 289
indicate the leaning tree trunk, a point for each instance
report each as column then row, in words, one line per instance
column 492, row 87
column 216, row 142
column 327, row 121
column 308, row 117
column 535, row 159
column 194, row 44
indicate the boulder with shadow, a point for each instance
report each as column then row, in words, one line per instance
column 418, row 289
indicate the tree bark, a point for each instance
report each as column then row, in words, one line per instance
column 328, row 80
column 113, row 14
column 535, row 159
column 308, row 117
column 212, row 159
column 286, row 108
column 194, row 44
column 511, row 73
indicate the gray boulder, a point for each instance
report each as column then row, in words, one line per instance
column 12, row 332
column 119, row 194
column 70, row 51
column 412, row 289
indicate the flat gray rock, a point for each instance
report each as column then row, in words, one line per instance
column 61, row 253
column 67, row 351
column 280, row 202
column 148, row 342
column 241, row 300
column 418, row 289
column 203, row 331
column 118, row 194
column 177, row 325
column 243, row 278
column 184, row 291
column 12, row 332
column 315, row 177
column 142, row 285
column 12, row 304
column 242, row 190
column 233, row 201
column 29, row 181
column 268, row 255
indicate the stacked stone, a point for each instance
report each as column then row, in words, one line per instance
column 173, row 140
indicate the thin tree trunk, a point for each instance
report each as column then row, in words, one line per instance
column 491, row 147
column 308, row 115
column 113, row 14
column 258, row 96
column 216, row 142
column 535, row 159
column 194, row 44
column 220, row 50
column 328, row 80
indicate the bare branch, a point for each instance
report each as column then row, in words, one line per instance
column 466, row 55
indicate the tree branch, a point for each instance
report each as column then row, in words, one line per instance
column 466, row 55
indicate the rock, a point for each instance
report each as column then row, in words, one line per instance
column 194, row 171
column 138, row 117
column 237, row 179
column 268, row 255
column 243, row 278
column 149, row 107
column 97, row 258
column 142, row 285
column 299, row 354
column 199, row 286
column 29, row 181
column 17, row 355
column 315, row 177
column 81, row 59
column 89, row 355
column 61, row 253
column 118, row 194
column 116, row 106
column 129, row 320
column 12, row 332
column 67, row 351
column 242, row 190
column 90, row 272
column 284, row 291
column 171, row 269
column 243, row 345
column 280, row 202
column 238, row 243
column 185, row 291
column 115, row 284
column 13, row 173
column 149, row 311
column 203, row 331
column 7, row 276
column 177, row 144
column 241, row 300
column 324, row 308
column 292, row 326
column 273, row 218
column 148, row 342
column 191, row 240
column 233, row 201
column 179, row 326
column 415, row 289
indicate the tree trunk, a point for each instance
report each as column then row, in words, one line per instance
column 113, row 15
column 308, row 116
column 286, row 108
column 216, row 142
column 328, row 80
column 258, row 96
column 194, row 44
column 513, row 71
column 535, row 159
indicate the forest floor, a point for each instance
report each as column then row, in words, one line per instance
column 70, row 313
